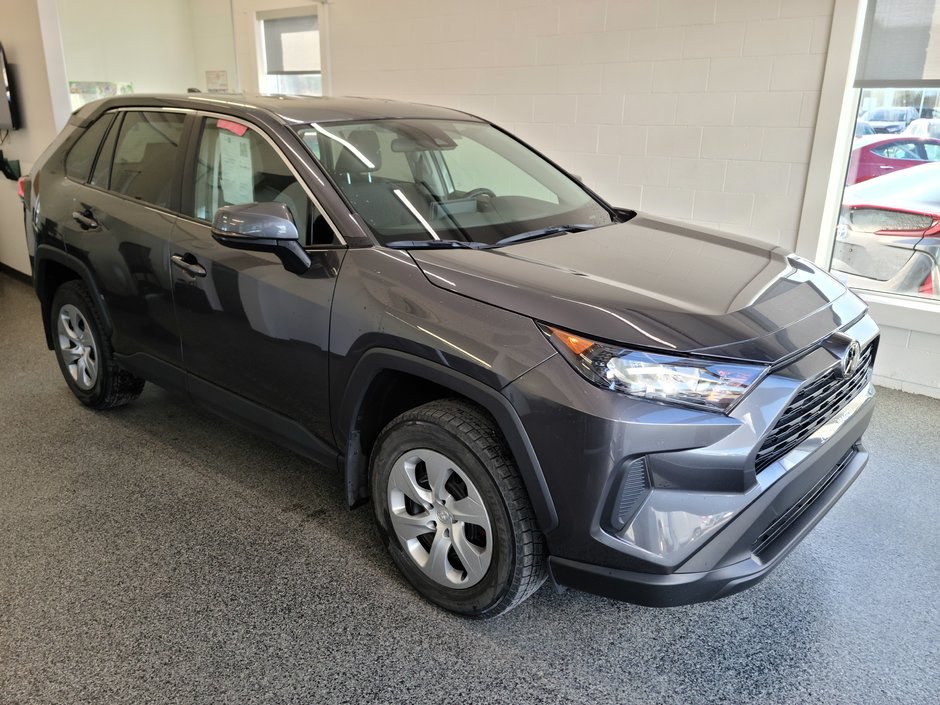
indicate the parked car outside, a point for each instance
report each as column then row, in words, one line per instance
column 891, row 119
column 923, row 128
column 879, row 155
column 524, row 380
column 863, row 129
column 888, row 237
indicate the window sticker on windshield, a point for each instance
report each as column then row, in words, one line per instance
column 235, row 162
column 235, row 128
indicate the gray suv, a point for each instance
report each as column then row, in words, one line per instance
column 525, row 381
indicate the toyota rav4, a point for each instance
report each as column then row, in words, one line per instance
column 524, row 380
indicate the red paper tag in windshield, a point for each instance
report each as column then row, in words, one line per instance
column 235, row 128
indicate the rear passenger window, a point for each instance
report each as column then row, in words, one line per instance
column 145, row 156
column 101, row 176
column 80, row 158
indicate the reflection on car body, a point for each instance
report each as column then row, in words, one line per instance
column 888, row 237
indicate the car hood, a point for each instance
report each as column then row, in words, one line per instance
column 655, row 283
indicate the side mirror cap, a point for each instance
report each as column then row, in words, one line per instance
column 262, row 227
column 254, row 221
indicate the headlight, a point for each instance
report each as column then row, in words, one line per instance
column 703, row 384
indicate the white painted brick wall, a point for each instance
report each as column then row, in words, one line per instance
column 696, row 109
column 909, row 360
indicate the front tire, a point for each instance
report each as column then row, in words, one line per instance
column 453, row 512
column 84, row 353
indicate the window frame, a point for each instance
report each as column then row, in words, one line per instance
column 188, row 177
column 320, row 12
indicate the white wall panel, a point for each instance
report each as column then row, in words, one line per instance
column 696, row 109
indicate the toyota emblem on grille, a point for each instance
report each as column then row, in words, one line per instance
column 851, row 358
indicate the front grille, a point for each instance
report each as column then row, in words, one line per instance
column 813, row 406
column 786, row 520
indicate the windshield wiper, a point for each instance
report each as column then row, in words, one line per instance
column 542, row 232
column 471, row 245
column 436, row 245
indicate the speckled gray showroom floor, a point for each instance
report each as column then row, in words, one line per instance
column 157, row 555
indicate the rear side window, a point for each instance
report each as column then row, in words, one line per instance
column 145, row 156
column 101, row 176
column 82, row 155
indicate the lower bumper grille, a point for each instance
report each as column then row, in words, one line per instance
column 786, row 520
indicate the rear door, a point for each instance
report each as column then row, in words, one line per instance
column 122, row 219
column 891, row 156
column 255, row 336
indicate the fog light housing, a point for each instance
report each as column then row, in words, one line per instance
column 633, row 488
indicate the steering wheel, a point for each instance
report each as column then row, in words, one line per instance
column 477, row 192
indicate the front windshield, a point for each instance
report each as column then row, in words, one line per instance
column 447, row 180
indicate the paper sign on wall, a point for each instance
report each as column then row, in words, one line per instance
column 235, row 162
column 217, row 81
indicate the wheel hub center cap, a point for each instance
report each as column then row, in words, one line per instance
column 444, row 516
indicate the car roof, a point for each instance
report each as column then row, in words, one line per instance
column 288, row 108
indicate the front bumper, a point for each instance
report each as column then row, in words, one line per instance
column 766, row 546
column 710, row 522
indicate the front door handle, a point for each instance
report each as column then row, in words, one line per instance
column 85, row 219
column 189, row 265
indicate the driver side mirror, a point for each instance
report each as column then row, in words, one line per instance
column 261, row 227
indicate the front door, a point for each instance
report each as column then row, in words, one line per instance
column 254, row 336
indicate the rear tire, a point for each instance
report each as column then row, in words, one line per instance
column 453, row 512
column 85, row 355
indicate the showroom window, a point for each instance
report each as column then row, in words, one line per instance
column 888, row 233
column 290, row 55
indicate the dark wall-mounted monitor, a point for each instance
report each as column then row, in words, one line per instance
column 9, row 117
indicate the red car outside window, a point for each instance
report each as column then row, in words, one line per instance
column 875, row 156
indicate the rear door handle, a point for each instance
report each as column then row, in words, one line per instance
column 189, row 265
column 85, row 219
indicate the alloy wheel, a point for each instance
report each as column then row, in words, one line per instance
column 78, row 347
column 440, row 518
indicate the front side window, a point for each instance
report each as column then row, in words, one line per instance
column 448, row 180
column 145, row 156
column 236, row 165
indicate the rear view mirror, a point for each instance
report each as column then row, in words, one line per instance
column 261, row 227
